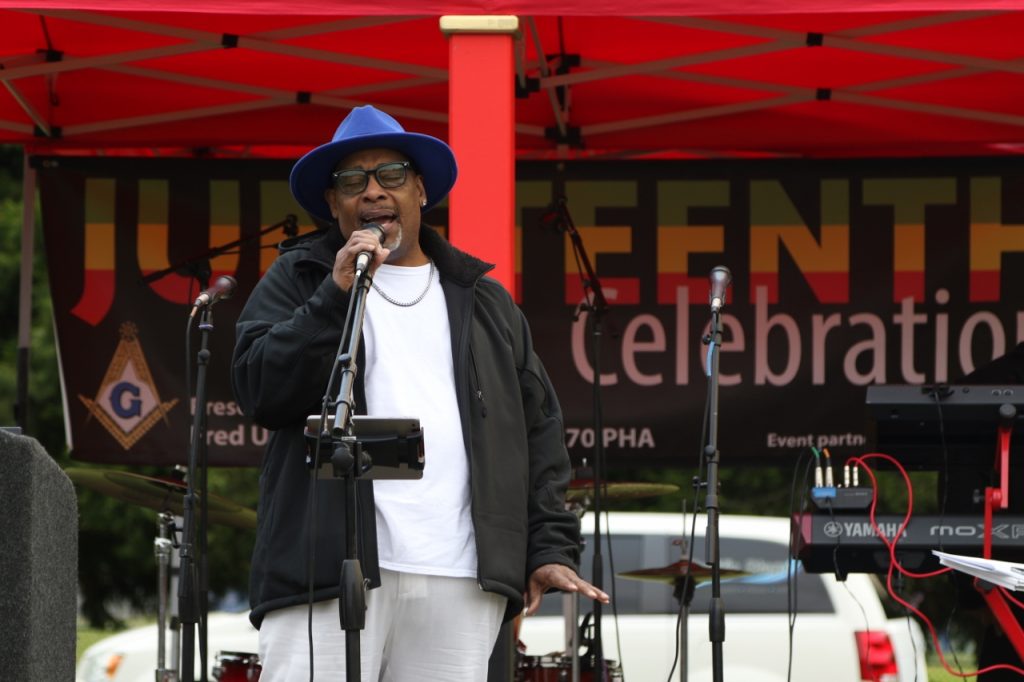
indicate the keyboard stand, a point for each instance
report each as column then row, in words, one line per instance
column 999, row 498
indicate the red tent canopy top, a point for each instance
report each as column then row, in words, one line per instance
column 254, row 77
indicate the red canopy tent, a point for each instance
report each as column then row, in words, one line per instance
column 809, row 79
column 733, row 79
column 685, row 79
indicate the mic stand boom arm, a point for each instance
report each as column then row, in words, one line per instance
column 192, row 267
column 597, row 305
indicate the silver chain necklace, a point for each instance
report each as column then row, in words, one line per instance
column 407, row 304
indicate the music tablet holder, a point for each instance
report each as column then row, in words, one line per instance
column 360, row 447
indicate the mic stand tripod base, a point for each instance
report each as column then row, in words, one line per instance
column 347, row 462
column 683, row 592
column 353, row 596
column 570, row 609
column 162, row 548
column 352, row 610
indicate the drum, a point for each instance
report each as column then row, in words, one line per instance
column 558, row 668
column 235, row 666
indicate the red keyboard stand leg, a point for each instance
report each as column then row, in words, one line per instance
column 999, row 498
column 1004, row 615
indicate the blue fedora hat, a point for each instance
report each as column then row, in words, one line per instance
column 368, row 128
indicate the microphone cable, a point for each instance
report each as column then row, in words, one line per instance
column 792, row 570
column 685, row 587
column 611, row 570
column 938, row 392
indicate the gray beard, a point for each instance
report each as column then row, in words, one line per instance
column 394, row 244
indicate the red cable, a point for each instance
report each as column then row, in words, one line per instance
column 1006, row 595
column 891, row 546
column 894, row 564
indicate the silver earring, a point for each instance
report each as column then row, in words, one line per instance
column 423, row 203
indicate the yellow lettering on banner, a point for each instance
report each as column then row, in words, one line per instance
column 824, row 261
column 152, row 228
column 990, row 239
column 99, row 252
column 225, row 223
column 610, row 239
column 584, row 199
column 676, row 244
column 909, row 199
column 153, row 243
column 678, row 235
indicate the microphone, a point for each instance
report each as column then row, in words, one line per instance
column 364, row 259
column 223, row 288
column 720, row 279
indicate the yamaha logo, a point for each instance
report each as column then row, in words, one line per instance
column 127, row 403
column 832, row 529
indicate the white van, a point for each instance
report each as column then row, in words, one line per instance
column 841, row 632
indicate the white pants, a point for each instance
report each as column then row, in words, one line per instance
column 418, row 628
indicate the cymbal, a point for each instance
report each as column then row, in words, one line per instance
column 161, row 494
column 677, row 571
column 582, row 490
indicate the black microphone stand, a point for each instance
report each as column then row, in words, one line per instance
column 716, row 612
column 597, row 306
column 399, row 449
column 348, row 462
column 193, row 602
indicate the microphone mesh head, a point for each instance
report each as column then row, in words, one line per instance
column 227, row 285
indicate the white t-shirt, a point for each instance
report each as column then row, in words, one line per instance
column 423, row 526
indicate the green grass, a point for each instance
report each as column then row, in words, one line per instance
column 936, row 673
column 939, row 674
column 88, row 636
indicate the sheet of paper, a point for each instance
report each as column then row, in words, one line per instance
column 1003, row 573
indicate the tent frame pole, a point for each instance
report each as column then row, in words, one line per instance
column 28, row 224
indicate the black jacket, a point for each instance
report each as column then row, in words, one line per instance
column 286, row 340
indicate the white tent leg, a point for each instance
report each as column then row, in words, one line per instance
column 28, row 223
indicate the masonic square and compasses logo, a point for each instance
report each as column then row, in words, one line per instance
column 127, row 403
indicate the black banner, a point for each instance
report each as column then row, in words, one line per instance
column 845, row 274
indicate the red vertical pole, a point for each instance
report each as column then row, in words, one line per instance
column 481, row 111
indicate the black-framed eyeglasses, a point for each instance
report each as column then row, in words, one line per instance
column 355, row 180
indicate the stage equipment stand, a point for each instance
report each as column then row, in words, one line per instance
column 398, row 447
column 162, row 548
column 683, row 588
column 193, row 593
column 998, row 499
column 347, row 463
column 720, row 279
column 596, row 306
column 193, row 600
